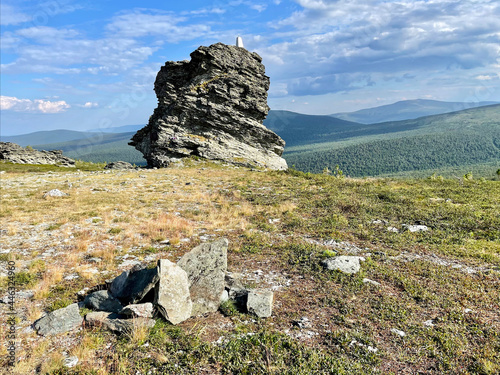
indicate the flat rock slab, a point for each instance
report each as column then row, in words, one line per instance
column 111, row 322
column 260, row 302
column 131, row 286
column 172, row 297
column 119, row 165
column 344, row 263
column 59, row 321
column 206, row 267
column 143, row 310
column 102, row 300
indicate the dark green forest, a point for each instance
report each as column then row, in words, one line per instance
column 435, row 151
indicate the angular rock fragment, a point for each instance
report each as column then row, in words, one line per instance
column 212, row 107
column 343, row 263
column 102, row 300
column 59, row 321
column 260, row 303
column 111, row 322
column 119, row 165
column 172, row 297
column 130, row 287
column 206, row 267
column 143, row 310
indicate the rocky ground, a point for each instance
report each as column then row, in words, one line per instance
column 422, row 301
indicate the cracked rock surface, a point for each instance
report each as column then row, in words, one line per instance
column 212, row 106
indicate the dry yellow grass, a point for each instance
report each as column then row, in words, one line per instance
column 116, row 214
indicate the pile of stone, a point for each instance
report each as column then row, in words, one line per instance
column 20, row 155
column 196, row 285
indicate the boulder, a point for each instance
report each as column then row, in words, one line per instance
column 172, row 297
column 131, row 286
column 213, row 107
column 59, row 321
column 102, row 300
column 260, row 303
column 111, row 322
column 20, row 155
column 206, row 267
column 343, row 263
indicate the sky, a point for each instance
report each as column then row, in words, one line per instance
column 80, row 65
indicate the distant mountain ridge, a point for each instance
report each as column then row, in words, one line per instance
column 406, row 110
column 451, row 141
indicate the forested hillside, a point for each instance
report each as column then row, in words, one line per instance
column 470, row 137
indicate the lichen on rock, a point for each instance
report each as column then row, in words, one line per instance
column 212, row 106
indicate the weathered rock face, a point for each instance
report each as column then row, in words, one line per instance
column 20, row 155
column 172, row 292
column 213, row 107
column 206, row 267
column 59, row 321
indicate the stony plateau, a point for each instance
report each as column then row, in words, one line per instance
column 212, row 106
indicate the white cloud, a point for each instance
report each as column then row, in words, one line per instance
column 89, row 105
column 337, row 45
column 34, row 106
column 45, row 34
column 139, row 24
column 11, row 16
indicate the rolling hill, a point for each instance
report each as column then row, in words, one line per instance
column 460, row 139
column 406, row 110
column 49, row 136
column 98, row 148
column 450, row 143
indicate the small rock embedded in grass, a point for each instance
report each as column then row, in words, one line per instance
column 54, row 193
column 59, row 321
column 398, row 332
column 372, row 282
column 260, row 303
column 70, row 362
column 415, row 228
column 344, row 263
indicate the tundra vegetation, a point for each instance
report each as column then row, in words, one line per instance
column 437, row 286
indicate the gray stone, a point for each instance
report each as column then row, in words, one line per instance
column 206, row 267
column 260, row 303
column 143, row 310
column 59, row 321
column 111, row 322
column 172, row 297
column 102, row 300
column 415, row 228
column 54, row 193
column 373, row 282
column 70, row 362
column 398, row 332
column 119, row 165
column 212, row 107
column 20, row 155
column 131, row 286
column 343, row 263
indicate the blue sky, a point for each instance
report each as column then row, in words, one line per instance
column 91, row 64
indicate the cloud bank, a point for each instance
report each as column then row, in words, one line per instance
column 10, row 103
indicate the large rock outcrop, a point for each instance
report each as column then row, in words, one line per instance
column 19, row 155
column 212, row 106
